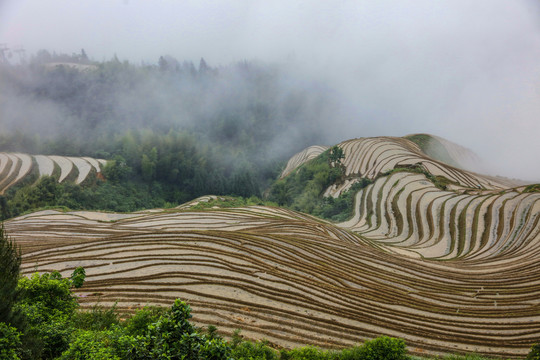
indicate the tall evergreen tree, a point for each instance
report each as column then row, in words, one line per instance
column 10, row 262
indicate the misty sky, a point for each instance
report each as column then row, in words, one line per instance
column 465, row 70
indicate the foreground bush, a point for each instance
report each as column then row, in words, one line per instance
column 247, row 350
column 92, row 345
column 534, row 354
column 48, row 306
column 149, row 334
column 307, row 353
column 383, row 348
column 9, row 342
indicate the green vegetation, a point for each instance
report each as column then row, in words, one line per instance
column 532, row 188
column 383, row 347
column 148, row 335
column 151, row 333
column 534, row 354
column 10, row 342
column 247, row 350
column 336, row 155
column 10, row 262
column 303, row 189
column 146, row 171
column 48, row 307
column 439, row 181
column 104, row 195
column 223, row 202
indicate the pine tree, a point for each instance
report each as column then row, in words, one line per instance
column 84, row 57
column 336, row 155
column 10, row 262
column 203, row 67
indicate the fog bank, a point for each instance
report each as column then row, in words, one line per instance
column 466, row 71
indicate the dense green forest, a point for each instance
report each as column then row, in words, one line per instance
column 173, row 131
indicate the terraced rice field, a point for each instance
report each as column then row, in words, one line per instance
column 452, row 270
column 14, row 167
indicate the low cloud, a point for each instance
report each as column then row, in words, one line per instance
column 465, row 71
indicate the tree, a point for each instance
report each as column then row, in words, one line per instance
column 84, row 57
column 12, row 320
column 43, row 57
column 174, row 337
column 336, row 155
column 116, row 169
column 78, row 276
column 162, row 63
column 4, row 209
column 10, row 262
column 48, row 306
column 203, row 67
column 148, row 165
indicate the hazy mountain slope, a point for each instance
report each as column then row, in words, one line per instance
column 446, row 151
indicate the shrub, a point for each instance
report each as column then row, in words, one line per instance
column 532, row 188
column 353, row 353
column 214, row 349
column 464, row 357
column 78, row 276
column 48, row 306
column 383, row 348
column 534, row 354
column 10, row 342
column 236, row 338
column 90, row 345
column 259, row 350
column 50, row 291
column 98, row 318
column 173, row 336
column 308, row 353
column 139, row 322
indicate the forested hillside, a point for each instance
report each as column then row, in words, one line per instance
column 172, row 131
